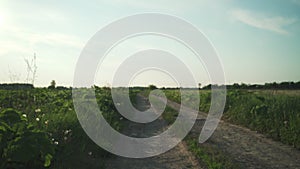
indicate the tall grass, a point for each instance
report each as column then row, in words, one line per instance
column 275, row 115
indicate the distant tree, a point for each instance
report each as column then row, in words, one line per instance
column 243, row 86
column 152, row 87
column 61, row 88
column 235, row 86
column 52, row 85
column 297, row 85
column 16, row 86
column 207, row 87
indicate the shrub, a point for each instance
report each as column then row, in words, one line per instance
column 21, row 145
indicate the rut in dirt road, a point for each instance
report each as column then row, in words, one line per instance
column 177, row 158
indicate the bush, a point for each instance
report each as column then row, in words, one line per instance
column 21, row 145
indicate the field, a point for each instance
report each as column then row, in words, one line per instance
column 275, row 113
column 39, row 127
column 43, row 123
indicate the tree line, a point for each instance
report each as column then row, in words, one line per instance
column 272, row 86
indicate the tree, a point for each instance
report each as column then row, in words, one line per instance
column 52, row 85
column 31, row 69
column 152, row 87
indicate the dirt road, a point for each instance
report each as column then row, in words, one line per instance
column 247, row 148
column 177, row 158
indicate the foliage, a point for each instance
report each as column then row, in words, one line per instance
column 152, row 87
column 50, row 114
column 210, row 157
column 170, row 115
column 52, row 85
column 22, row 145
column 278, row 116
column 15, row 86
column 272, row 86
column 275, row 115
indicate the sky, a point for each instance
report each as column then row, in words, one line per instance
column 257, row 41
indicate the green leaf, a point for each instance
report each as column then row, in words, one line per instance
column 10, row 117
column 48, row 159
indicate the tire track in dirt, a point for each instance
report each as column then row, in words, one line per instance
column 177, row 158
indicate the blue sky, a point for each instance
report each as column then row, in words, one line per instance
column 257, row 41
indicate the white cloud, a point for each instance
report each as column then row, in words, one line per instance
column 16, row 39
column 275, row 24
column 22, row 31
column 55, row 39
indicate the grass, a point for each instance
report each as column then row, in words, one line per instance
column 170, row 115
column 275, row 114
column 209, row 156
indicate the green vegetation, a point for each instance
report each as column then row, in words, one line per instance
column 267, row 86
column 152, row 87
column 275, row 115
column 22, row 144
column 209, row 156
column 52, row 85
column 39, row 128
column 170, row 115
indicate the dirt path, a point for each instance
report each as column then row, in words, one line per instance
column 177, row 158
column 247, row 148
